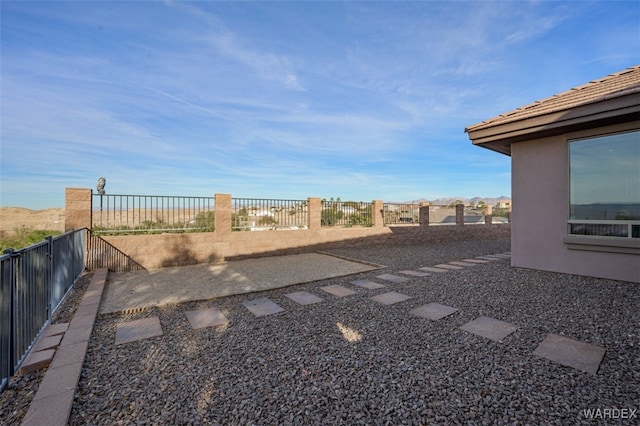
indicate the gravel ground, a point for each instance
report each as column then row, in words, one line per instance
column 15, row 400
column 352, row 361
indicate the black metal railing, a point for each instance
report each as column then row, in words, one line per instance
column 262, row 214
column 346, row 213
column 130, row 214
column 33, row 283
column 401, row 213
column 102, row 254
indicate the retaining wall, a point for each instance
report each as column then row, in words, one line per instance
column 164, row 250
column 153, row 251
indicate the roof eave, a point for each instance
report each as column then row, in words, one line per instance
column 610, row 111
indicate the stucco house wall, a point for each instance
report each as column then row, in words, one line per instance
column 537, row 137
column 540, row 188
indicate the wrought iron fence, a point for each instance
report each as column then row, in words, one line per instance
column 473, row 216
column 401, row 213
column 33, row 282
column 346, row 213
column 257, row 214
column 102, row 254
column 443, row 215
column 128, row 214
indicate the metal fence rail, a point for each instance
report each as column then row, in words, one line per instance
column 442, row 215
column 401, row 214
column 346, row 213
column 33, row 282
column 122, row 214
column 255, row 214
column 102, row 254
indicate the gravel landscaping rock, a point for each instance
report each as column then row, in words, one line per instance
column 351, row 360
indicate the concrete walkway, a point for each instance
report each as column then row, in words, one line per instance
column 135, row 291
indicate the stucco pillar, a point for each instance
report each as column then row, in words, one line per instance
column 223, row 214
column 314, row 213
column 424, row 215
column 459, row 214
column 377, row 217
column 77, row 208
column 488, row 215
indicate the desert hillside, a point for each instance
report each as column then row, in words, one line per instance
column 12, row 218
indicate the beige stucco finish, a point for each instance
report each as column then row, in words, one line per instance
column 540, row 180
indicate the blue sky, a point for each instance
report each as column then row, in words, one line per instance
column 359, row 100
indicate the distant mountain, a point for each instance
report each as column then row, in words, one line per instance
column 466, row 201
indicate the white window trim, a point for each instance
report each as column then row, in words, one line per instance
column 603, row 244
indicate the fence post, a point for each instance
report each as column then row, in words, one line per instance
column 459, row 214
column 6, row 318
column 49, row 276
column 314, row 212
column 77, row 209
column 222, row 214
column 424, row 214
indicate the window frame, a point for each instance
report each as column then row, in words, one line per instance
column 605, row 243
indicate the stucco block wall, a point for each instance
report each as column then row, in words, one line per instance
column 540, row 188
column 164, row 250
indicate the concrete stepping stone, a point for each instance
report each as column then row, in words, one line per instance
column 489, row 328
column 571, row 353
column 132, row 331
column 502, row 255
column 433, row 311
column 368, row 284
column 338, row 290
column 304, row 297
column 415, row 273
column 50, row 342
column 390, row 298
column 478, row 261
column 44, row 350
column 436, row 270
column 36, row 360
column 262, row 306
column 448, row 266
column 203, row 318
column 461, row 263
column 55, row 329
column 392, row 278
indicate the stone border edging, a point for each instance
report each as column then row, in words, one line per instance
column 52, row 402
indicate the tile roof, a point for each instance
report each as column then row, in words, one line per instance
column 614, row 85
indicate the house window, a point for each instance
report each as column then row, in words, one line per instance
column 604, row 186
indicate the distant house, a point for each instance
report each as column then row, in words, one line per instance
column 503, row 204
column 575, row 161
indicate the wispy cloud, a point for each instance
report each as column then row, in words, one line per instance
column 282, row 99
column 268, row 65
